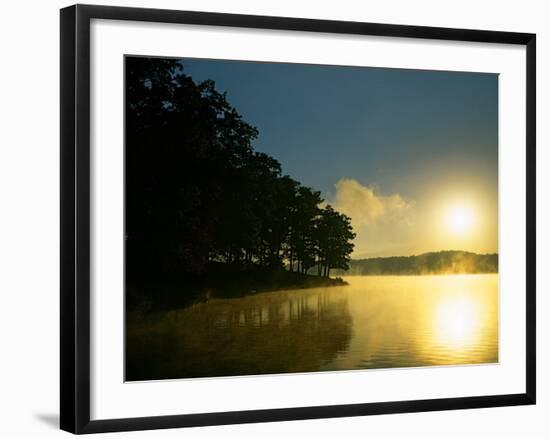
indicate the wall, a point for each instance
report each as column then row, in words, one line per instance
column 29, row 216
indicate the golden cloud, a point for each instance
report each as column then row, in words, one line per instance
column 366, row 207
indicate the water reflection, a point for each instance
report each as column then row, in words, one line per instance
column 457, row 322
column 376, row 322
column 266, row 333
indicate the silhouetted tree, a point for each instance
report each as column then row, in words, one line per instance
column 198, row 194
column 301, row 241
column 185, row 149
column 334, row 236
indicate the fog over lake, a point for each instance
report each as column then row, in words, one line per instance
column 375, row 322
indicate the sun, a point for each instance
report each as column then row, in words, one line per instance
column 460, row 219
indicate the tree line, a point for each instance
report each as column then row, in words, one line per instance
column 443, row 262
column 197, row 193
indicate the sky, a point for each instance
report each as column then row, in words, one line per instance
column 410, row 155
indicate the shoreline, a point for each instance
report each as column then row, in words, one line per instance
column 174, row 295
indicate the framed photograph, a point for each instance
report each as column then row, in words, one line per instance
column 268, row 218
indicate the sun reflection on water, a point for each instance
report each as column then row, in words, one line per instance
column 457, row 321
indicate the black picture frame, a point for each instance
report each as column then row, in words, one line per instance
column 75, row 218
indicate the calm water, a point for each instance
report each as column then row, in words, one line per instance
column 375, row 322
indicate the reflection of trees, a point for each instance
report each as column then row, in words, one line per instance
column 267, row 333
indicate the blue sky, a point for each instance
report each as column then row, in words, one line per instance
column 396, row 131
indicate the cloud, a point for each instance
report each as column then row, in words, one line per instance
column 366, row 207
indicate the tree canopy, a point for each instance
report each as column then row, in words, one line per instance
column 197, row 193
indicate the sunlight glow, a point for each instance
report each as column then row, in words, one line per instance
column 460, row 219
column 457, row 321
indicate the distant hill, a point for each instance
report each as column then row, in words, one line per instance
column 443, row 262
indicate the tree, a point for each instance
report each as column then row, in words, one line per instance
column 334, row 236
column 278, row 200
column 186, row 149
column 301, row 241
column 199, row 195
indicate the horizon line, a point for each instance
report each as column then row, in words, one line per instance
column 424, row 253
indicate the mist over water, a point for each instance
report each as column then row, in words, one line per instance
column 375, row 322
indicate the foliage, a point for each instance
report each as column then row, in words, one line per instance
column 198, row 194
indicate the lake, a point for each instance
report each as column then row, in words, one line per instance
column 375, row 322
